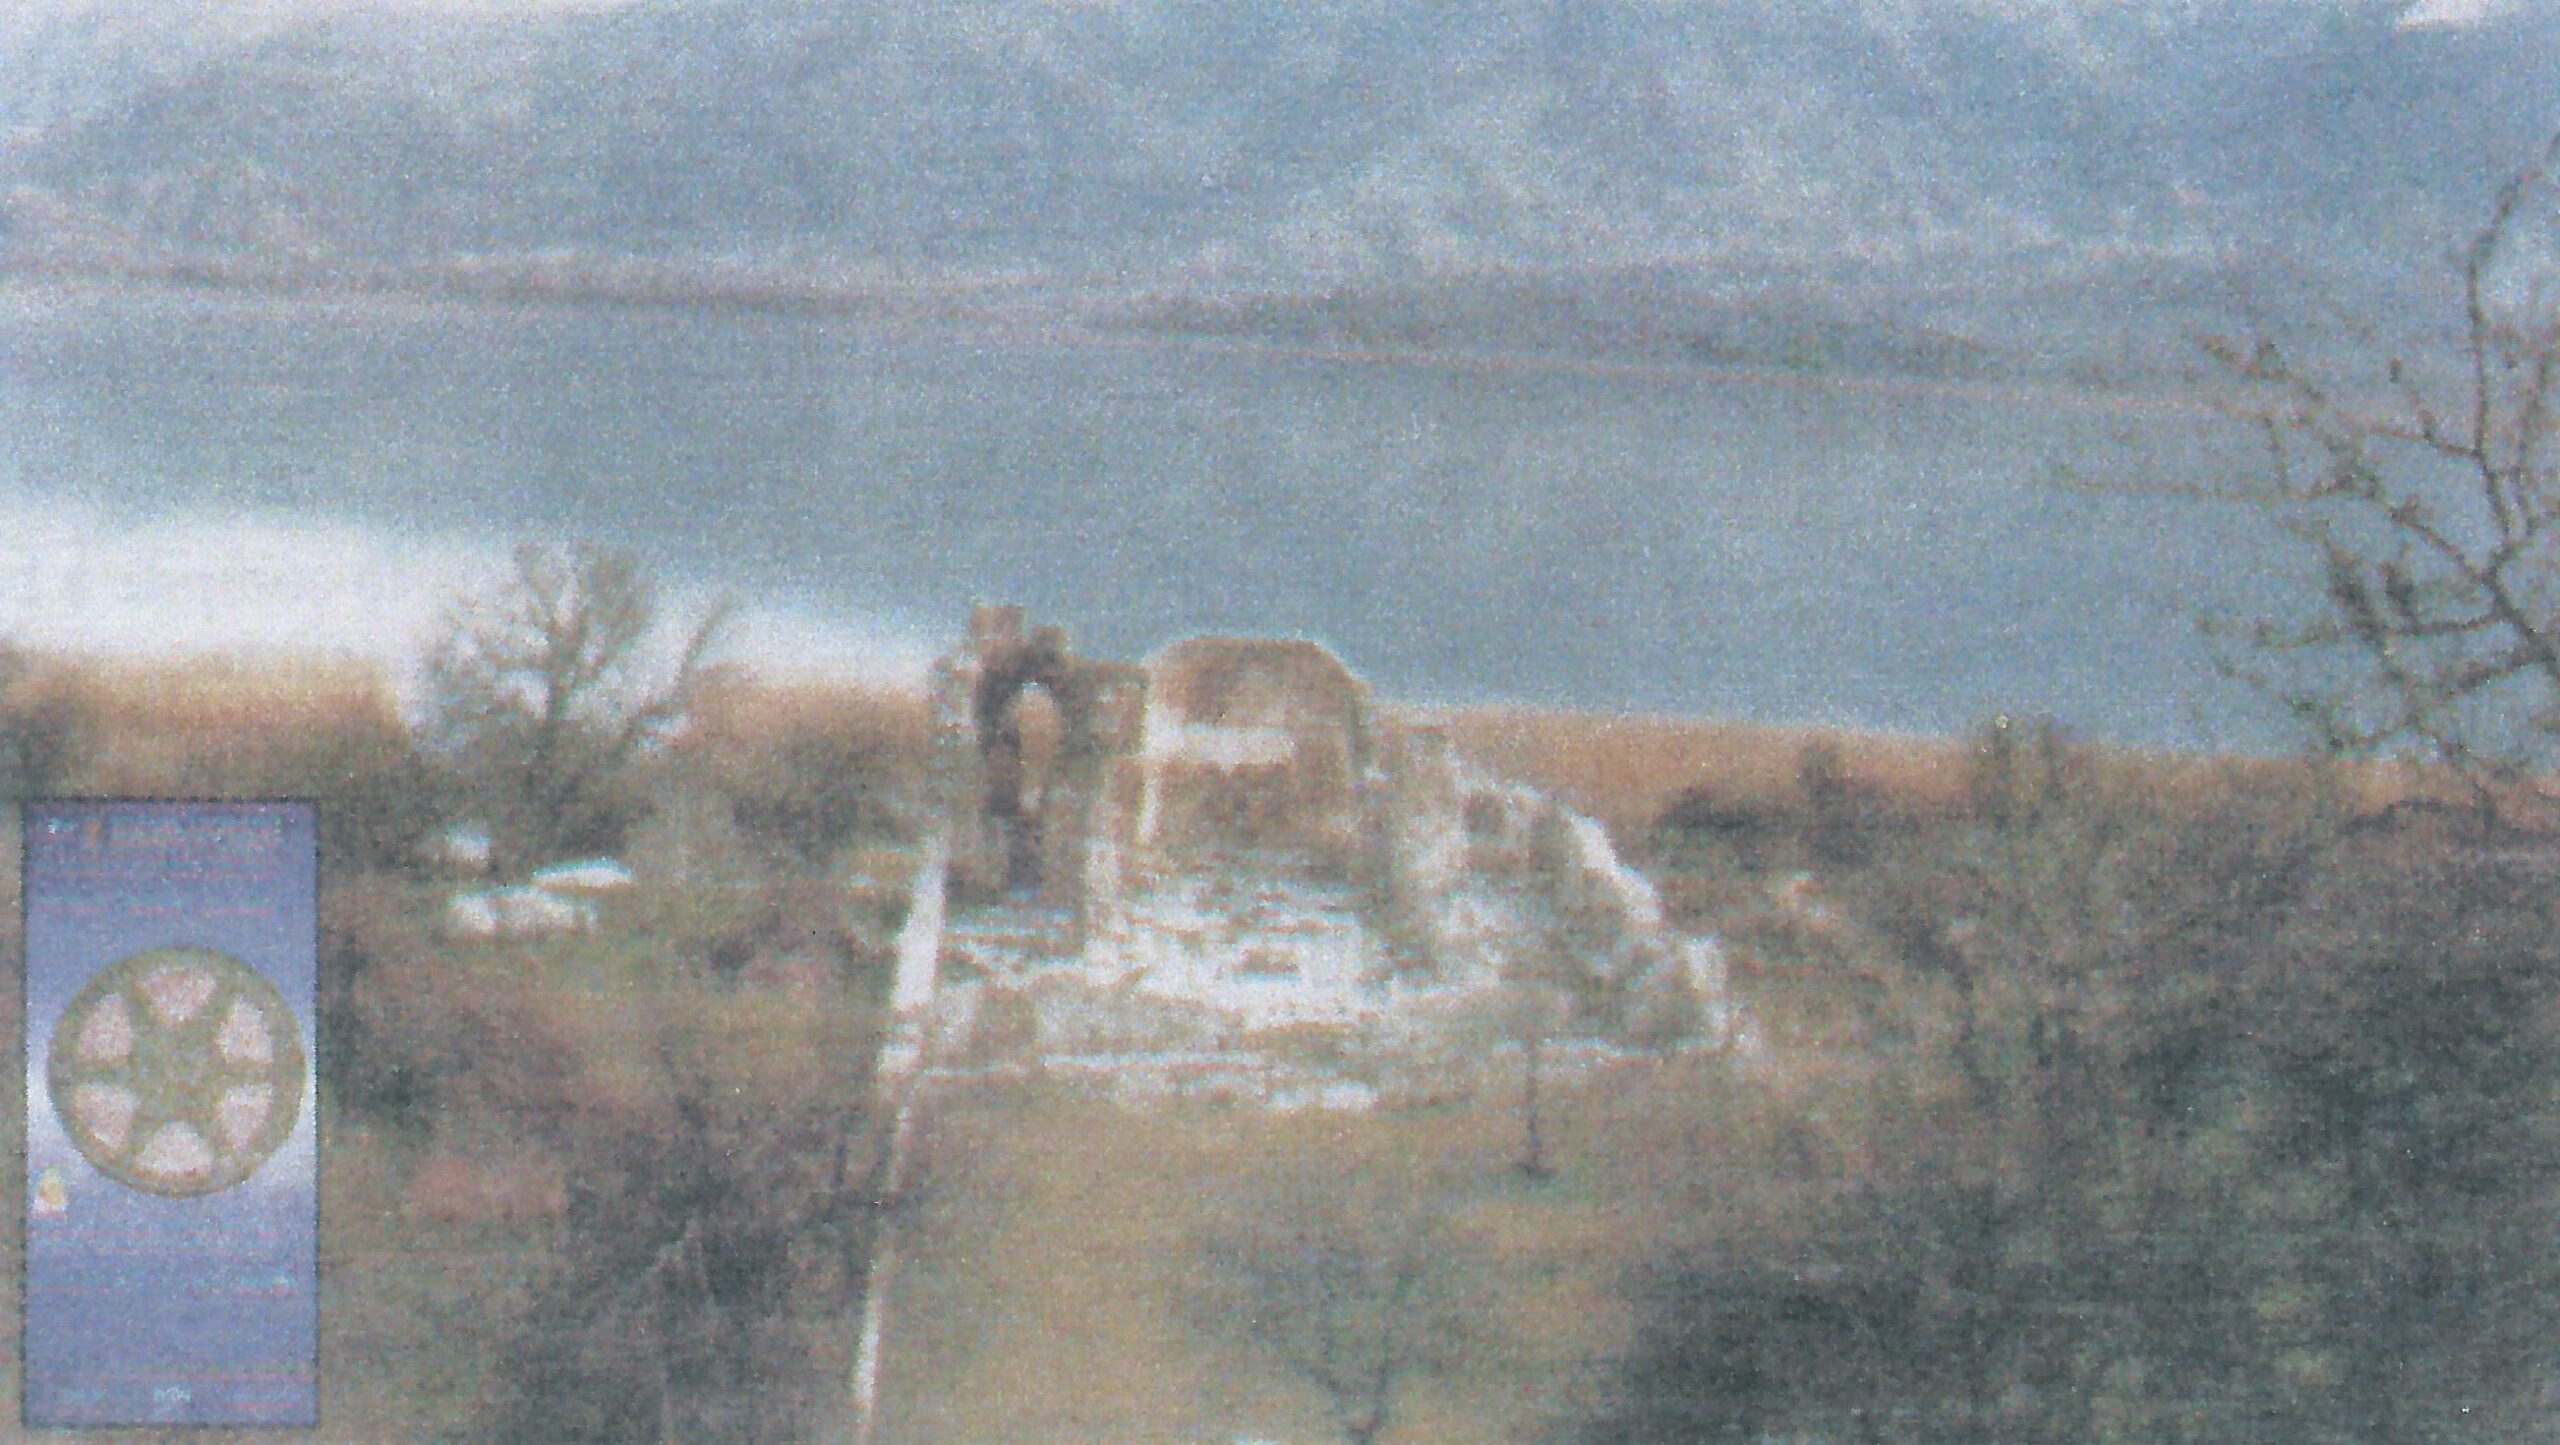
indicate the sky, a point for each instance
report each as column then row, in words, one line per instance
column 89, row 581
column 2456, row 14
column 2421, row 12
column 277, row 9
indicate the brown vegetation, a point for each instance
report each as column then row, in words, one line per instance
column 449, row 1188
column 1631, row 772
column 739, row 712
column 808, row 766
column 507, row 1122
column 1627, row 771
column 2009, row 989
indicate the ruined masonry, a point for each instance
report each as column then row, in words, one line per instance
column 1223, row 871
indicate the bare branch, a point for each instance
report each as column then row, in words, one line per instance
column 2437, row 618
column 544, row 690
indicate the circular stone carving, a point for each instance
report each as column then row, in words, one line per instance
column 177, row 1071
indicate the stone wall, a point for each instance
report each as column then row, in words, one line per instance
column 1253, row 744
column 1480, row 879
column 1011, row 831
column 1257, row 763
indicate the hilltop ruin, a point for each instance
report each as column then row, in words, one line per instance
column 1155, row 868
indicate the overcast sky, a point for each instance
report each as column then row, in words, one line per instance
column 2421, row 12
column 271, row 10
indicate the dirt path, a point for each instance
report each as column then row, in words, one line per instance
column 896, row 1082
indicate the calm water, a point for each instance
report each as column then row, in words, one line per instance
column 184, row 469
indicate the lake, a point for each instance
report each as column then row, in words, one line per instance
column 189, row 470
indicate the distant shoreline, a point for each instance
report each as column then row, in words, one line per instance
column 1623, row 768
column 1026, row 310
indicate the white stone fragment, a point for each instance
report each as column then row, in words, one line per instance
column 1639, row 903
column 463, row 847
column 494, row 913
column 586, row 876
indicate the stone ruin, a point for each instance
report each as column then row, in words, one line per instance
column 1168, row 860
column 1017, row 822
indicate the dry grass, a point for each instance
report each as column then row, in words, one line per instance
column 217, row 693
column 155, row 713
column 204, row 725
column 750, row 715
column 1044, row 1295
column 1625, row 770
column 413, row 1313
column 1054, row 1285
column 1059, row 1283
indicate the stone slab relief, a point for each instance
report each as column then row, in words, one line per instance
column 172, row 1204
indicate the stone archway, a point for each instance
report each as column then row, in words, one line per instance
column 1028, row 739
column 1022, row 769
column 1028, row 806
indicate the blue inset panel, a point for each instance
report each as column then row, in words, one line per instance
column 172, row 1172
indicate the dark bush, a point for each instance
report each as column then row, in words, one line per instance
column 1842, row 816
column 2238, row 1125
column 1700, row 820
column 700, row 1229
column 1753, row 1352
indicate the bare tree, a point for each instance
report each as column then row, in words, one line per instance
column 703, row 1225
column 1343, row 1280
column 545, row 689
column 2428, row 495
column 1534, row 1006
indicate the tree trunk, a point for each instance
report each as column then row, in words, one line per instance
column 1533, row 1146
